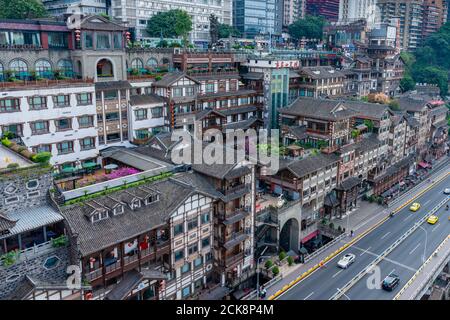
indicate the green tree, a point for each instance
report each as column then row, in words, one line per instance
column 170, row 24
column 213, row 28
column 394, row 105
column 407, row 83
column 226, row 31
column 309, row 27
column 22, row 9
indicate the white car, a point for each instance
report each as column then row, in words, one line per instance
column 447, row 191
column 346, row 260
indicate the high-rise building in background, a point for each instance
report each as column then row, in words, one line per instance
column 137, row 14
column 418, row 18
column 60, row 7
column 258, row 17
column 353, row 10
column 293, row 10
column 329, row 9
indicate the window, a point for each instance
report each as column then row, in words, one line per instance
column 205, row 242
column 198, row 262
column 43, row 68
column 137, row 64
column 86, row 121
column 66, row 67
column 189, row 91
column 117, row 41
column 61, row 101
column 10, row 200
column 186, row 268
column 65, row 147
column 118, row 210
column 205, row 218
column 177, row 92
column 157, row 112
column 9, row 105
column 88, row 40
column 32, row 184
column 192, row 223
column 112, row 116
column 42, row 148
column 39, row 127
column 192, row 249
column 142, row 134
column 37, row 103
column 178, row 229
column 16, row 129
column 233, row 85
column 57, row 40
column 21, row 38
column 179, row 255
column 209, row 88
column 84, row 99
column 19, row 69
column 87, row 143
column 63, row 124
column 140, row 114
column 186, row 291
column 103, row 41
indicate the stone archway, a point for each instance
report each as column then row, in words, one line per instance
column 289, row 235
column 105, row 68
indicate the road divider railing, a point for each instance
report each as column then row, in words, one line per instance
column 386, row 252
column 419, row 271
column 355, row 239
column 254, row 294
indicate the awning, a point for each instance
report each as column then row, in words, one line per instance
column 423, row 165
column 130, row 281
column 310, row 236
column 32, row 218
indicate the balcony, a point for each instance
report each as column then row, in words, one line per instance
column 147, row 252
column 232, row 260
column 130, row 259
column 113, row 267
column 94, row 275
column 44, row 83
column 232, row 217
column 233, row 239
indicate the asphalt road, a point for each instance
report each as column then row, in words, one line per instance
column 404, row 260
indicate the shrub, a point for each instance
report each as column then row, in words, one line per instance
column 21, row 148
column 290, row 260
column 12, row 166
column 275, row 270
column 15, row 147
column 282, row 255
column 339, row 228
column 331, row 225
column 6, row 142
column 8, row 135
column 268, row 264
column 61, row 241
column 157, row 78
column 42, row 157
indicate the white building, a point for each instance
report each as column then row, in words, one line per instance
column 56, row 118
column 148, row 115
column 352, row 10
column 60, row 7
column 137, row 13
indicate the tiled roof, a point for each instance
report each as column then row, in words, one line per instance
column 95, row 236
column 144, row 99
column 302, row 167
column 349, row 183
column 226, row 94
column 112, row 85
column 412, row 104
column 32, row 218
column 237, row 110
column 317, row 108
column 298, row 131
column 365, row 109
column 170, row 78
column 245, row 124
column 6, row 223
column 202, row 114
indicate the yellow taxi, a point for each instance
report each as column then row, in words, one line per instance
column 432, row 219
column 415, row 206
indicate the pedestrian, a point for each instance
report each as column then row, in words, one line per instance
column 351, row 233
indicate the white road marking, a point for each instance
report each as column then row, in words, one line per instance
column 386, row 259
column 426, row 202
column 418, row 245
column 309, row 295
column 387, row 233
column 392, row 271
column 408, row 217
column 337, row 273
column 435, row 228
column 365, row 251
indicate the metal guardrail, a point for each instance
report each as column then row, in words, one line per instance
column 429, row 279
column 361, row 274
column 268, row 284
column 311, row 256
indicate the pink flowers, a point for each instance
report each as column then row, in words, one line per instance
column 122, row 172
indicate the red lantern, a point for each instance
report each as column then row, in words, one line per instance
column 78, row 35
column 88, row 296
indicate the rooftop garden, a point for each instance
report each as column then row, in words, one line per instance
column 41, row 157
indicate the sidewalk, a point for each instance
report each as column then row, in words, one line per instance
column 361, row 221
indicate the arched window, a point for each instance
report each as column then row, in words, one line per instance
column 137, row 64
column 105, row 68
column 18, row 68
column 152, row 63
column 43, row 68
column 66, row 67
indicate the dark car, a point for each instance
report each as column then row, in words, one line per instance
column 182, row 168
column 390, row 282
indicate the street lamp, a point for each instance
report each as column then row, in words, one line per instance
column 257, row 273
